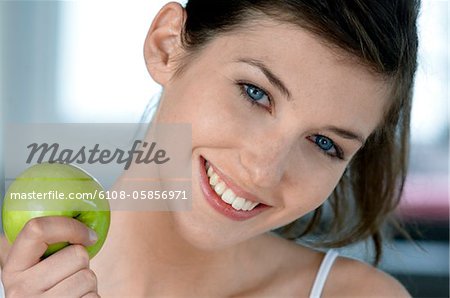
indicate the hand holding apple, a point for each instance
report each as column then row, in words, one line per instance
column 66, row 272
column 33, row 194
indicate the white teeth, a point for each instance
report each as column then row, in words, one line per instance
column 210, row 171
column 253, row 205
column 214, row 179
column 238, row 203
column 247, row 205
column 227, row 195
column 220, row 188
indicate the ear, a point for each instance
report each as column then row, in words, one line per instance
column 162, row 43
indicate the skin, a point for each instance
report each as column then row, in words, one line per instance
column 273, row 158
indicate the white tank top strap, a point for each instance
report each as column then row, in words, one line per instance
column 2, row 290
column 322, row 274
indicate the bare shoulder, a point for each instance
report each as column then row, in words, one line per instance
column 295, row 268
column 351, row 277
column 347, row 277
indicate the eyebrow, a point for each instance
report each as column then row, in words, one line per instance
column 273, row 79
column 346, row 134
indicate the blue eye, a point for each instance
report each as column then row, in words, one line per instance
column 255, row 95
column 327, row 146
column 254, row 92
column 324, row 143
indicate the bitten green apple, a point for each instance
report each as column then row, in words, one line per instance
column 54, row 189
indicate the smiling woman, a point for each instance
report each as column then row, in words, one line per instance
column 292, row 103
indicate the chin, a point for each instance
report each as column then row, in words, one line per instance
column 203, row 234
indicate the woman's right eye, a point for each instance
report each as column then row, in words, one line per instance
column 255, row 95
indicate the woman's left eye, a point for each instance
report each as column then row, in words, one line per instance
column 255, row 95
column 327, row 146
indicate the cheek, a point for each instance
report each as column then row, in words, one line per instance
column 312, row 191
column 212, row 106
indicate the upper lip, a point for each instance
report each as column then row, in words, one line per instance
column 234, row 187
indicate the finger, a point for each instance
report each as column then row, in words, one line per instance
column 91, row 295
column 4, row 250
column 33, row 240
column 59, row 266
column 77, row 285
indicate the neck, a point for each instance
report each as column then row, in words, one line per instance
column 145, row 253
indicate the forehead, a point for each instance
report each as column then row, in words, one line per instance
column 310, row 68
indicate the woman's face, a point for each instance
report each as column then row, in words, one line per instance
column 279, row 116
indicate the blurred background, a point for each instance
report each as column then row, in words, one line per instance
column 81, row 61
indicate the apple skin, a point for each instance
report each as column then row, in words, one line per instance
column 62, row 178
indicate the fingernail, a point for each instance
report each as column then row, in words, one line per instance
column 92, row 236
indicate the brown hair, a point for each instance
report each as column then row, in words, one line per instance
column 380, row 34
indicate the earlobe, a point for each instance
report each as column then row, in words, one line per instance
column 162, row 43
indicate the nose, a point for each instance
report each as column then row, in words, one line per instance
column 266, row 159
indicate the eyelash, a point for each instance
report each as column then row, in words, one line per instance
column 339, row 153
column 244, row 94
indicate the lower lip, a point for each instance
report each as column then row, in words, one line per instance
column 216, row 202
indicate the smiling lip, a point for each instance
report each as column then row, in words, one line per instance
column 216, row 202
column 236, row 189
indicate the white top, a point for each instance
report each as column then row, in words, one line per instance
column 322, row 274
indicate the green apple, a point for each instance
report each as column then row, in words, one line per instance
column 51, row 189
